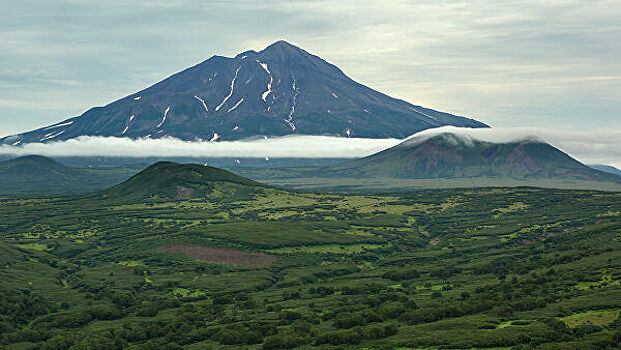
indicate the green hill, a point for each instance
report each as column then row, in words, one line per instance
column 39, row 174
column 42, row 176
column 451, row 156
column 32, row 166
column 177, row 181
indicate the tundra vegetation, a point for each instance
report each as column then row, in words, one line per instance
column 519, row 268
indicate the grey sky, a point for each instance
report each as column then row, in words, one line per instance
column 549, row 64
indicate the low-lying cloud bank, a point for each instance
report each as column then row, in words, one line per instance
column 290, row 146
column 602, row 146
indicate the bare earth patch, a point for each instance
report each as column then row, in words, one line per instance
column 184, row 192
column 220, row 255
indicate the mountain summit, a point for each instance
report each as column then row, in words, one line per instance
column 278, row 91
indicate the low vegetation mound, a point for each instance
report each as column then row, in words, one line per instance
column 178, row 181
column 220, row 255
column 42, row 176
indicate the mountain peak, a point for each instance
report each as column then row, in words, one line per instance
column 279, row 91
column 282, row 45
column 283, row 51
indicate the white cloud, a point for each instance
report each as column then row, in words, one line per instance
column 291, row 146
column 601, row 146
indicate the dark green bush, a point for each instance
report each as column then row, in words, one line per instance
column 287, row 341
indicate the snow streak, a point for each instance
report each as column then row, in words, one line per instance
column 131, row 118
column 164, row 117
column 59, row 125
column 203, row 102
column 425, row 114
column 236, row 105
column 289, row 119
column 230, row 93
column 52, row 135
column 269, row 84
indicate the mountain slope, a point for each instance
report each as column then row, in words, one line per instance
column 280, row 90
column 451, row 156
column 606, row 168
column 37, row 175
column 178, row 181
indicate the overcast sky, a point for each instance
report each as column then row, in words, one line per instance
column 548, row 64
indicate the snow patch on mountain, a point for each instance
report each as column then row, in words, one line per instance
column 269, row 84
column 52, row 135
column 203, row 102
column 231, row 92
column 59, row 125
column 164, row 117
column 236, row 105
column 289, row 119
column 425, row 114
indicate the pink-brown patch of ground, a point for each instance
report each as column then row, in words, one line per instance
column 220, row 255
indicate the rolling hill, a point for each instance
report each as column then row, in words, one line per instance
column 278, row 91
column 38, row 175
column 452, row 156
column 168, row 180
